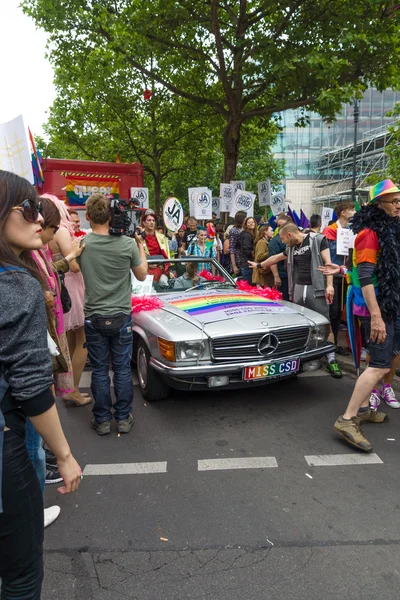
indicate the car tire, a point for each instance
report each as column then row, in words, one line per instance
column 151, row 385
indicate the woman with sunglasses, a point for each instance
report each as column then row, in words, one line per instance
column 26, row 379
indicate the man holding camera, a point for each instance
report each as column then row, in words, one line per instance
column 106, row 267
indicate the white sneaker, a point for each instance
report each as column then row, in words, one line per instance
column 387, row 393
column 51, row 514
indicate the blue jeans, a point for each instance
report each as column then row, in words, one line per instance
column 247, row 275
column 101, row 348
column 21, row 524
column 36, row 452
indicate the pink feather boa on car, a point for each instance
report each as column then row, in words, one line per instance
column 140, row 303
column 209, row 276
column 265, row 292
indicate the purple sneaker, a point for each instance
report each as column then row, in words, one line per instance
column 387, row 393
column 375, row 399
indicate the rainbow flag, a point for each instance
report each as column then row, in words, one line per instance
column 208, row 304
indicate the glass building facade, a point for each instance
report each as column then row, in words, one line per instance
column 301, row 147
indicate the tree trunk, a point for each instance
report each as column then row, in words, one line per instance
column 157, row 194
column 231, row 148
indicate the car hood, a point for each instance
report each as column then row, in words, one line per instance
column 220, row 312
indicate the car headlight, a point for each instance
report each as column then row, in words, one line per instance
column 319, row 334
column 190, row 350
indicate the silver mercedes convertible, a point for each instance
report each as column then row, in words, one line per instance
column 209, row 334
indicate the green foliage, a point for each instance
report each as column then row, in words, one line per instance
column 238, row 61
column 392, row 150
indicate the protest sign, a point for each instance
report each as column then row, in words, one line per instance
column 172, row 214
column 226, row 195
column 15, row 155
column 238, row 185
column 141, row 195
column 264, row 193
column 201, row 199
column 243, row 201
column 344, row 241
column 277, row 204
column 326, row 216
column 216, row 204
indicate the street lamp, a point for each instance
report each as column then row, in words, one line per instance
column 356, row 115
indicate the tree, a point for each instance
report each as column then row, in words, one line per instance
column 242, row 59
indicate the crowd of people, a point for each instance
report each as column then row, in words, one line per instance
column 65, row 295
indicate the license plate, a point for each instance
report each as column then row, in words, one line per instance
column 277, row 369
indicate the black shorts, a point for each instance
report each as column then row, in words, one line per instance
column 380, row 354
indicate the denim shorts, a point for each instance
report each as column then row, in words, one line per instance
column 381, row 354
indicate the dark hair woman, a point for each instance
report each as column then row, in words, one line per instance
column 25, row 381
column 246, row 243
column 265, row 276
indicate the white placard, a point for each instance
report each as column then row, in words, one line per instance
column 344, row 241
column 191, row 193
column 264, row 193
column 277, row 204
column 243, row 201
column 202, row 203
column 226, row 196
column 141, row 194
column 15, row 155
column 326, row 216
column 172, row 214
column 238, row 185
column 142, row 288
column 216, row 206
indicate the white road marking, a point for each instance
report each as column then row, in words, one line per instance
column 126, row 468
column 340, row 460
column 222, row 464
column 86, row 379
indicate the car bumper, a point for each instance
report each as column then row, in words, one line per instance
column 198, row 375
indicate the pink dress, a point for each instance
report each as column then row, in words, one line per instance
column 76, row 288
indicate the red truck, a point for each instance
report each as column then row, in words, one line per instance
column 74, row 180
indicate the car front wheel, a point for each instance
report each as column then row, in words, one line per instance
column 152, row 386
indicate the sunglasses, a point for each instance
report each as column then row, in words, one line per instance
column 30, row 210
column 394, row 202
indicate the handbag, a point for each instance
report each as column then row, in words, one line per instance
column 108, row 324
column 64, row 294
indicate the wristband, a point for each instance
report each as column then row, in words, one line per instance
column 343, row 270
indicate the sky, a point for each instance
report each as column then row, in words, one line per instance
column 26, row 74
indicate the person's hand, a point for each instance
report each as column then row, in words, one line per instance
column 195, row 279
column 252, row 265
column 277, row 282
column 378, row 330
column 236, row 270
column 330, row 269
column 76, row 248
column 329, row 293
column 71, row 473
column 49, row 299
column 138, row 239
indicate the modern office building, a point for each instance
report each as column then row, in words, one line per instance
column 319, row 157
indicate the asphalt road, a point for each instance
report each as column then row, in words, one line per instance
column 277, row 529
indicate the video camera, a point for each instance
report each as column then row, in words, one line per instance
column 121, row 222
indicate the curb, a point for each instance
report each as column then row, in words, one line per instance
column 348, row 367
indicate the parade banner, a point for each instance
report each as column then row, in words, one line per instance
column 243, row 201
column 172, row 214
column 277, row 204
column 326, row 216
column 226, row 196
column 213, row 306
column 14, row 150
column 238, row 185
column 79, row 188
column 264, row 193
column 141, row 195
column 216, row 207
column 200, row 203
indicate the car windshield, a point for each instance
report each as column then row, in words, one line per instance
column 180, row 275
